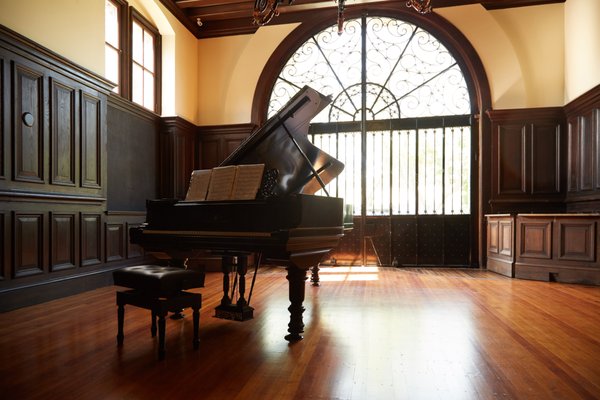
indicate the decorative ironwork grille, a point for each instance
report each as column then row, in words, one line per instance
column 399, row 117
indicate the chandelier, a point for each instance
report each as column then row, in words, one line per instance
column 421, row 6
column 265, row 10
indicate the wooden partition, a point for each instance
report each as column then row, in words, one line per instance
column 546, row 247
column 501, row 244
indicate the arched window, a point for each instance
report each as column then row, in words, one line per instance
column 399, row 118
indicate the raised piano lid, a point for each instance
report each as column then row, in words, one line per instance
column 271, row 144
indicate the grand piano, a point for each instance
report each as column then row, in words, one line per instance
column 286, row 225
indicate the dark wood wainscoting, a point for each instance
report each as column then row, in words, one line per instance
column 56, row 237
column 528, row 153
column 583, row 167
column 217, row 142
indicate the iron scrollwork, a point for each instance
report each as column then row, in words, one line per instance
column 265, row 10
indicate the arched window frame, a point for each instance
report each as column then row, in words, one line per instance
column 464, row 53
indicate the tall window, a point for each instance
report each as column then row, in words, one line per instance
column 399, row 118
column 113, row 42
column 143, row 56
column 132, row 54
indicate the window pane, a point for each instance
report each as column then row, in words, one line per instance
column 458, row 170
column 148, row 90
column 111, row 66
column 148, row 51
column 430, row 171
column 378, row 173
column 137, row 84
column 137, row 43
column 404, row 174
column 111, row 24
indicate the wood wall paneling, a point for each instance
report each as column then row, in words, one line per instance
column 209, row 155
column 545, row 159
column 91, row 141
column 597, row 143
column 3, row 119
column 63, row 134
column 178, row 144
column 132, row 153
column 500, row 244
column 586, row 152
column 505, row 238
column 28, row 250
column 493, row 237
column 4, row 246
column 63, row 241
column 511, row 159
column 583, row 168
column 576, row 240
column 535, row 239
column 132, row 250
column 216, row 143
column 115, row 242
column 91, row 239
column 573, row 155
column 28, row 124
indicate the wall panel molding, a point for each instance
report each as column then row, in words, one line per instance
column 528, row 155
column 63, row 134
column 28, row 123
column 28, row 246
column 63, row 241
column 583, row 167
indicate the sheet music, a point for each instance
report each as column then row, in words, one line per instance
column 199, row 183
column 247, row 181
column 221, row 183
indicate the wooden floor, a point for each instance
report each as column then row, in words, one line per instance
column 371, row 333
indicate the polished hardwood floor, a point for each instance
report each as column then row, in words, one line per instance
column 371, row 333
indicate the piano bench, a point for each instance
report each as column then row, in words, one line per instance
column 160, row 290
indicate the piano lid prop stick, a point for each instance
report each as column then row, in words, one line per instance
column 312, row 168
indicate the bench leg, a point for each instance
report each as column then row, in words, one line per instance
column 161, row 336
column 196, row 320
column 153, row 326
column 120, row 319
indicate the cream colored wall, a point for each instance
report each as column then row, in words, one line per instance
column 582, row 47
column 229, row 68
column 70, row 28
column 180, row 61
column 522, row 50
column 75, row 30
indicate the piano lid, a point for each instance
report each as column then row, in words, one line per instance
column 282, row 144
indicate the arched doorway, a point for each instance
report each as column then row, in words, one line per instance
column 401, row 120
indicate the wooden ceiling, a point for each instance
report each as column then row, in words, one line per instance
column 213, row 18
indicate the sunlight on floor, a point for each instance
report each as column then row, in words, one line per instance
column 355, row 273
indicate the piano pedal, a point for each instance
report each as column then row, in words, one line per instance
column 234, row 312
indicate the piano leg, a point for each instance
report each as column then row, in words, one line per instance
column 299, row 263
column 226, row 264
column 296, row 277
column 314, row 275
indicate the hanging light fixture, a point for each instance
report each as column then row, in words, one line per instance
column 422, row 6
column 265, row 10
column 340, row 17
